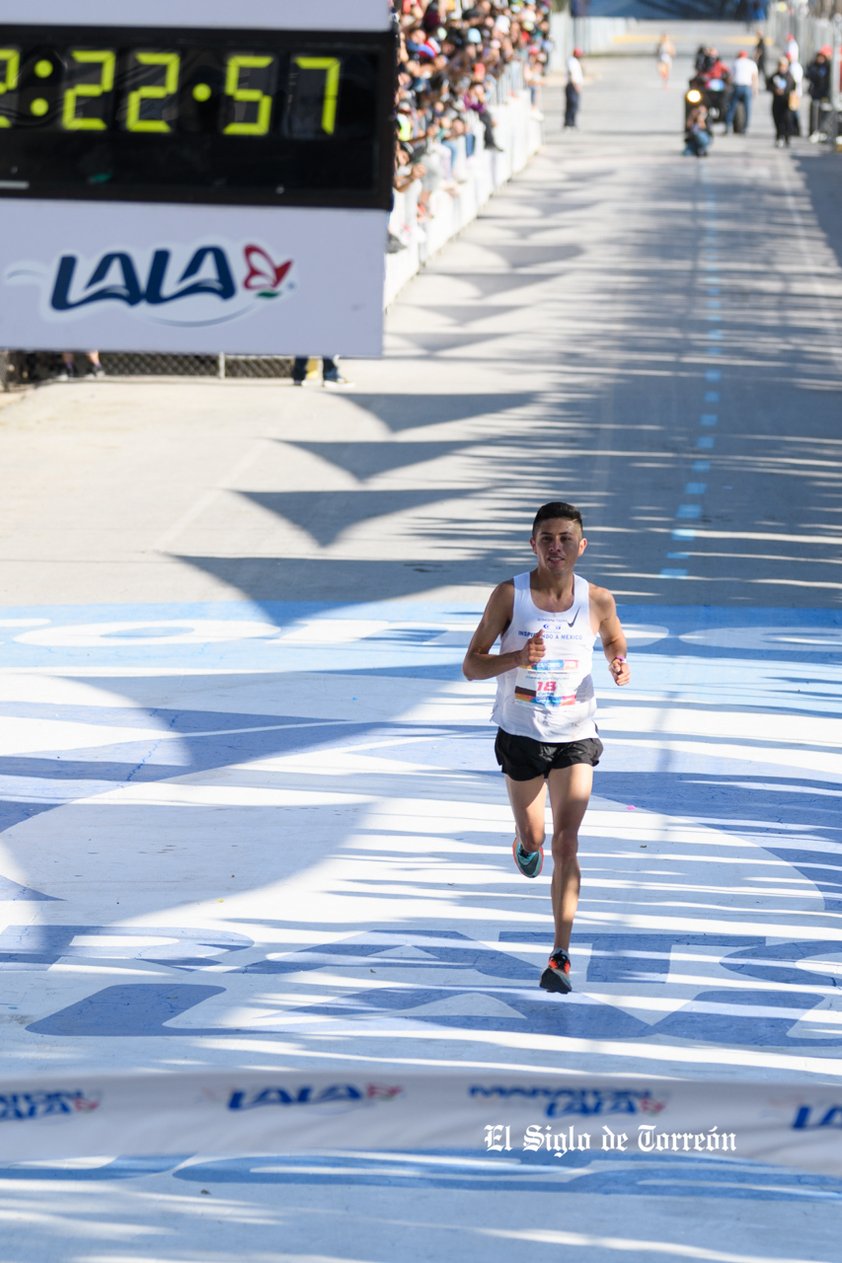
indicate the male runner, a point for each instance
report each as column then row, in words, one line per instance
column 547, row 621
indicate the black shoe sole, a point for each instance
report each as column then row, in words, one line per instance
column 555, row 980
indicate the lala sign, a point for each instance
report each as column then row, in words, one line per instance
column 334, row 1093
column 21, row 1106
column 808, row 1117
column 167, row 285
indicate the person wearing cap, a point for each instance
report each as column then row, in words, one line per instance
column 744, row 80
column 817, row 75
column 573, row 88
column 422, row 47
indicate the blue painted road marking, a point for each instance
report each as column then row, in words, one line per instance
column 218, row 818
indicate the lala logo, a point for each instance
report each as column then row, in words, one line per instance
column 200, row 285
column 263, row 276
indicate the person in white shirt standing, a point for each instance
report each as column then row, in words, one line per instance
column 547, row 621
column 745, row 81
column 573, row 87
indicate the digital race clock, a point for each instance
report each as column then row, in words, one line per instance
column 225, row 116
column 192, row 175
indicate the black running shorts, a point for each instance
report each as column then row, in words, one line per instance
column 523, row 759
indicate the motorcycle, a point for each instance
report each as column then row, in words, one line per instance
column 714, row 92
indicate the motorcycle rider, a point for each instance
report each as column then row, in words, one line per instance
column 717, row 81
column 703, row 60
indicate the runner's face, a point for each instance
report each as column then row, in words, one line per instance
column 558, row 544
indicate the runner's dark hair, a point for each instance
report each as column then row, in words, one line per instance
column 557, row 508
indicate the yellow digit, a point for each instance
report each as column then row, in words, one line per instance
column 9, row 70
column 260, row 125
column 171, row 62
column 332, row 67
column 107, row 61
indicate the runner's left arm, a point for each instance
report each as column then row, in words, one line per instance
column 611, row 634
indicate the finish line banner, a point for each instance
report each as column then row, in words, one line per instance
column 255, row 1112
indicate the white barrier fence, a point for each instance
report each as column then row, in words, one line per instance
column 257, row 1112
column 464, row 190
column 592, row 35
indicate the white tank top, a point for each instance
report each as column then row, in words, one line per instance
column 553, row 700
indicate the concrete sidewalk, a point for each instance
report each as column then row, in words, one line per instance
column 581, row 315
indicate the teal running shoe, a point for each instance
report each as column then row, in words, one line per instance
column 529, row 863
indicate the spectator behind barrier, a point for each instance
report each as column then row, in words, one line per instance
column 448, row 68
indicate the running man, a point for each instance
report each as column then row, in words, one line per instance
column 547, row 621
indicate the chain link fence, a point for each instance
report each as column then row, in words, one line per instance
column 134, row 364
column 30, row 368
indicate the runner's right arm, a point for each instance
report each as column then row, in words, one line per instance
column 480, row 663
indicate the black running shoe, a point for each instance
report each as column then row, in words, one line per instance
column 556, row 977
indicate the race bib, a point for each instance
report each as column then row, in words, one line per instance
column 548, row 684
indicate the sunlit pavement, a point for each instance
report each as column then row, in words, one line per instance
column 250, row 810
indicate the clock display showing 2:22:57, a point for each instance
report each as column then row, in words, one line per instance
column 212, row 116
column 246, row 92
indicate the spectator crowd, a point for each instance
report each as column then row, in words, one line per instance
column 456, row 61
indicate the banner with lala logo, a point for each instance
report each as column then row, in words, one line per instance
column 248, row 1111
column 254, row 281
